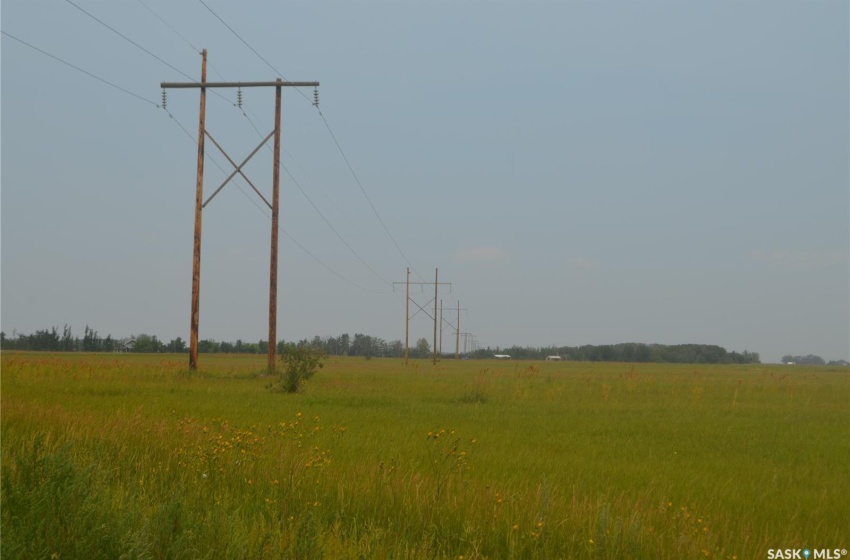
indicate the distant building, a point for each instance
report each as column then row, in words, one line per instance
column 125, row 345
column 553, row 358
column 502, row 356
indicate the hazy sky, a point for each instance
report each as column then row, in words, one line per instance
column 581, row 172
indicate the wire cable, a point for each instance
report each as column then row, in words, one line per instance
column 280, row 229
column 333, row 136
column 279, row 73
column 320, row 213
column 194, row 140
column 336, row 232
column 188, row 42
column 176, row 32
column 369, row 200
column 129, row 40
column 87, row 73
column 143, row 49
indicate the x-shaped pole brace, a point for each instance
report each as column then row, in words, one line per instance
column 422, row 309
column 238, row 168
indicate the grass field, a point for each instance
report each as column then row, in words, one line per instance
column 127, row 456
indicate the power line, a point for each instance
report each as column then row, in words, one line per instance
column 320, row 213
column 128, row 39
column 347, row 245
column 359, row 184
column 279, row 73
column 176, row 32
column 341, row 238
column 138, row 46
column 86, row 72
column 333, row 136
column 283, row 231
column 192, row 138
column 196, row 49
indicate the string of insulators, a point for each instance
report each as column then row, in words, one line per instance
column 164, row 98
column 239, row 98
column 315, row 97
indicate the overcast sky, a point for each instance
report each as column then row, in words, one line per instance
column 581, row 172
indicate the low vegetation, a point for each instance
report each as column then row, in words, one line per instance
column 125, row 456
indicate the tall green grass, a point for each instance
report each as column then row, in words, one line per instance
column 133, row 457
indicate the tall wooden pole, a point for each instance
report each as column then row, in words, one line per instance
column 275, row 211
column 199, row 199
column 436, row 283
column 457, row 340
column 407, row 320
column 441, row 328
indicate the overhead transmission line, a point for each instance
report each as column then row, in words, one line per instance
column 333, row 136
column 185, row 40
column 168, row 25
column 86, row 72
column 190, row 78
column 239, row 104
column 195, row 141
column 138, row 46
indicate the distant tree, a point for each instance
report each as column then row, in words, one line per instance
column 147, row 343
column 395, row 349
column 91, row 342
column 364, row 345
column 177, row 345
column 208, row 346
column 67, row 342
column 422, row 348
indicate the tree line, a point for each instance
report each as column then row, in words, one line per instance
column 812, row 360
column 629, row 352
column 56, row 340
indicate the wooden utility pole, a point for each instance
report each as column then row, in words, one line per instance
column 407, row 320
column 199, row 199
column 457, row 333
column 200, row 204
column 275, row 233
column 436, row 277
column 441, row 327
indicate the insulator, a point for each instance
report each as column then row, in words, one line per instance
column 315, row 97
column 164, row 98
column 239, row 98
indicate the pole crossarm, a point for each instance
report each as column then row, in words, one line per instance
column 238, row 168
column 279, row 83
column 425, row 284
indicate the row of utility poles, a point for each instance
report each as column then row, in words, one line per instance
column 274, row 205
column 438, row 319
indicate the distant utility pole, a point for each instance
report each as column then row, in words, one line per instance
column 199, row 195
column 455, row 327
column 466, row 336
column 436, row 283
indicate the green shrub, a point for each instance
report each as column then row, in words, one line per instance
column 297, row 364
